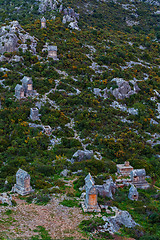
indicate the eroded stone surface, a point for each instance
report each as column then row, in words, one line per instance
column 114, row 223
column 13, row 37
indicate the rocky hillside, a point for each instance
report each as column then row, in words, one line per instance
column 101, row 96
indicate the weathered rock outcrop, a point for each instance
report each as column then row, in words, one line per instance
column 5, row 198
column 50, row 5
column 114, row 223
column 81, row 155
column 13, row 37
column 123, row 89
column 71, row 17
column 64, row 173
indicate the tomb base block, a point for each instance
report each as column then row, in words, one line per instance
column 143, row 185
column 88, row 208
column 22, row 191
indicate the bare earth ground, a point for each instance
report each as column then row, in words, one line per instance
column 60, row 221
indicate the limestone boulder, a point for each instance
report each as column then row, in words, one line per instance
column 97, row 92
column 6, row 198
column 71, row 17
column 123, row 89
column 74, row 25
column 64, row 173
column 114, row 223
column 81, row 155
column 13, row 37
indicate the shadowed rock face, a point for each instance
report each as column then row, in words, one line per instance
column 13, row 37
column 8, row 43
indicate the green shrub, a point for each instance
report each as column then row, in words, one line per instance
column 70, row 203
column 135, row 232
column 79, row 183
column 39, row 199
column 92, row 224
column 44, row 235
column 149, row 237
column 8, row 212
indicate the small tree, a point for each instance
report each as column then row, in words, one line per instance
column 154, row 170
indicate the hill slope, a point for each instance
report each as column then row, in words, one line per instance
column 101, row 95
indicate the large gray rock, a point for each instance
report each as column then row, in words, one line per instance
column 3, row 58
column 97, row 92
column 13, row 37
column 71, row 17
column 5, row 198
column 123, row 89
column 16, row 59
column 114, row 223
column 47, row 5
column 81, row 155
column 74, row 25
column 64, row 173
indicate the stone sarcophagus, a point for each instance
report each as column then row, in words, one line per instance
column 34, row 114
column 138, row 178
column 52, row 52
column 92, row 197
column 43, row 22
column 124, row 169
column 107, row 189
column 28, row 86
column 91, row 203
column 22, row 185
column 19, row 91
column 133, row 193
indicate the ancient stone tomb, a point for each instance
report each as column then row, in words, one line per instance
column 34, row 114
column 43, row 22
column 28, row 86
column 22, row 185
column 138, row 178
column 26, row 89
column 107, row 189
column 133, row 193
column 124, row 169
column 19, row 91
column 91, row 203
column 52, row 52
